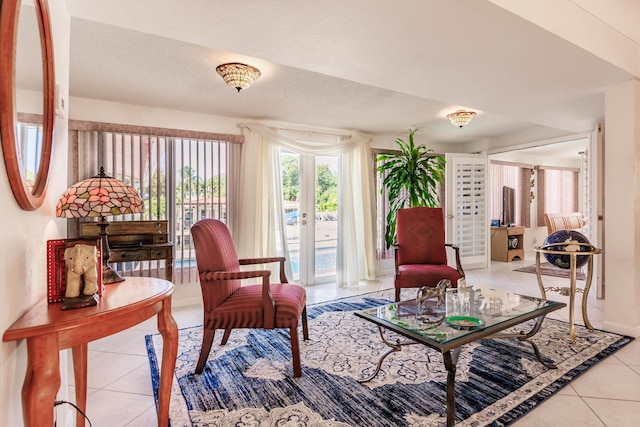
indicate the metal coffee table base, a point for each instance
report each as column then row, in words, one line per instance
column 451, row 360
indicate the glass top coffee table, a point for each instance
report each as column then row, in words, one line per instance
column 464, row 317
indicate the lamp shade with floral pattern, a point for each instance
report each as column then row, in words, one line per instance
column 99, row 196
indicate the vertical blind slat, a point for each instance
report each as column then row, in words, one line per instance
column 179, row 179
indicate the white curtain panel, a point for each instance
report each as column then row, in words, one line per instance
column 233, row 188
column 261, row 228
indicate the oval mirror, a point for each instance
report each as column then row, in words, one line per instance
column 26, row 98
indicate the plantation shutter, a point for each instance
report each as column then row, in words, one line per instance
column 467, row 210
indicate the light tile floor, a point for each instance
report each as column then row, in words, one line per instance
column 608, row 394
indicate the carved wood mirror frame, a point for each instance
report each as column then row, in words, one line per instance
column 29, row 195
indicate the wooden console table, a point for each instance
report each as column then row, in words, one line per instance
column 131, row 241
column 48, row 330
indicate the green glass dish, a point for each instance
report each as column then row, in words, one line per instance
column 464, row 322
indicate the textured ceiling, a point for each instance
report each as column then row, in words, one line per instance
column 374, row 66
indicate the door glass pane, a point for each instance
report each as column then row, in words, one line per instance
column 326, row 215
column 290, row 167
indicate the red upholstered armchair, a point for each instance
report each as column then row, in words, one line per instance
column 421, row 254
column 228, row 305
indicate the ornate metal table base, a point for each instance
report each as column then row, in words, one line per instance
column 572, row 290
column 451, row 360
column 524, row 336
column 397, row 346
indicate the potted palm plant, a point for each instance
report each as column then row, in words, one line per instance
column 411, row 177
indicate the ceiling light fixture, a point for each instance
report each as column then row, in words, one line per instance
column 461, row 117
column 238, row 75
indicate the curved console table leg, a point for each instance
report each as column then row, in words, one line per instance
column 169, row 331
column 79, row 354
column 42, row 380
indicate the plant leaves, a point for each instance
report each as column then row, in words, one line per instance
column 411, row 178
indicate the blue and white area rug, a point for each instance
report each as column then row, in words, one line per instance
column 249, row 381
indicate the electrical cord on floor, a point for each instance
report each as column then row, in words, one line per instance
column 60, row 402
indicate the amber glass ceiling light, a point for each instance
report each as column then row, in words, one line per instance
column 100, row 196
column 461, row 117
column 238, row 75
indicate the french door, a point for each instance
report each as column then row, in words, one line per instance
column 310, row 201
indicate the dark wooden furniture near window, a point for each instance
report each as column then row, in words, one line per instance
column 131, row 241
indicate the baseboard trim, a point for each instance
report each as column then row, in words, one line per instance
column 631, row 331
column 184, row 302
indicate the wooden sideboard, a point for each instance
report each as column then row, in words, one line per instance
column 136, row 241
column 501, row 238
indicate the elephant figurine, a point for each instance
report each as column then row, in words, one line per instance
column 81, row 261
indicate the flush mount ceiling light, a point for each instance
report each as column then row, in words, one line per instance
column 461, row 117
column 238, row 75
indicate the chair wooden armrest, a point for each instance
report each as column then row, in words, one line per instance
column 266, row 260
column 233, row 275
column 269, row 304
column 395, row 259
column 456, row 249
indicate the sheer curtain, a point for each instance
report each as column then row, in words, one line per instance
column 518, row 177
column 557, row 191
column 262, row 229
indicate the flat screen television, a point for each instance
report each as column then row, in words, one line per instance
column 508, row 206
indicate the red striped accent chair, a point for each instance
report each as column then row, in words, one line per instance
column 421, row 254
column 229, row 305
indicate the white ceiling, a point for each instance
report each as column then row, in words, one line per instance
column 375, row 66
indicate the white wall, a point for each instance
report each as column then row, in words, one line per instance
column 621, row 213
column 114, row 112
column 389, row 142
column 24, row 236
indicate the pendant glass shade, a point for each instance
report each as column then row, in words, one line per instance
column 237, row 75
column 461, row 117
